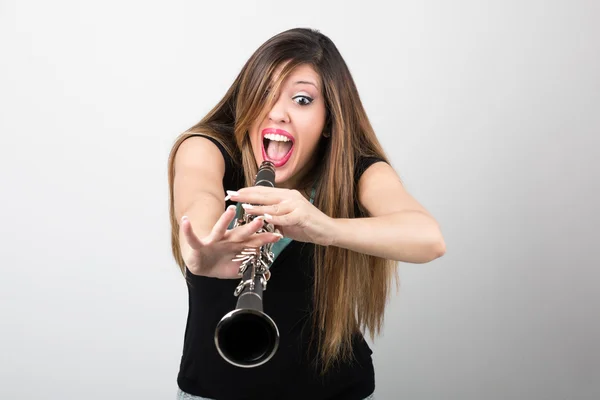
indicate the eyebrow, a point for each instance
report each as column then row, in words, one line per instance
column 306, row 82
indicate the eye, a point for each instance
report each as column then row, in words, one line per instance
column 304, row 100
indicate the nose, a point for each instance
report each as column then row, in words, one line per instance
column 279, row 112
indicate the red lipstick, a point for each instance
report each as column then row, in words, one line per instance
column 282, row 161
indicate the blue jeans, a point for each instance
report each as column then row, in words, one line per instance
column 181, row 395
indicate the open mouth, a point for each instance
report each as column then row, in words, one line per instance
column 277, row 146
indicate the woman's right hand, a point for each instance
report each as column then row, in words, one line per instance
column 212, row 255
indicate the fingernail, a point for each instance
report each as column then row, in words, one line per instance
column 184, row 218
column 247, row 206
column 279, row 235
column 230, row 193
column 268, row 216
column 232, row 207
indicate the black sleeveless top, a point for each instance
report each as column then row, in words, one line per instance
column 290, row 374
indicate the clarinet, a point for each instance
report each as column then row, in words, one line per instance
column 247, row 337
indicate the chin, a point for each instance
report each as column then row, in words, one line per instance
column 281, row 178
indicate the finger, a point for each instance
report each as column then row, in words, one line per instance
column 260, row 239
column 243, row 232
column 282, row 219
column 260, row 195
column 275, row 209
column 188, row 233
column 222, row 223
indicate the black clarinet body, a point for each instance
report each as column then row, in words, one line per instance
column 247, row 337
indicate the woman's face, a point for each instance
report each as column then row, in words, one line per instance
column 290, row 132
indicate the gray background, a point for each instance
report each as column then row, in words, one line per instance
column 490, row 111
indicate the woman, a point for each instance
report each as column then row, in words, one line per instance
column 343, row 216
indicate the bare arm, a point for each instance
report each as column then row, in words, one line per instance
column 399, row 229
column 198, row 186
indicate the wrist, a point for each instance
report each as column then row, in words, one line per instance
column 334, row 231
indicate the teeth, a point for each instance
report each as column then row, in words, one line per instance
column 279, row 138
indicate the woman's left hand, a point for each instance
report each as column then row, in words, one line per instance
column 290, row 212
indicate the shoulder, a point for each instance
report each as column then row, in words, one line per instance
column 200, row 149
column 380, row 190
column 363, row 163
column 204, row 153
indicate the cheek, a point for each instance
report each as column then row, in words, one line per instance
column 313, row 130
column 310, row 142
column 254, row 139
column 313, row 139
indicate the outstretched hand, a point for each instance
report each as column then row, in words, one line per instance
column 213, row 255
column 290, row 212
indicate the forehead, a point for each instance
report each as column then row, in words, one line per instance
column 302, row 72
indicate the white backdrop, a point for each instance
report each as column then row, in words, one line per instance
column 490, row 112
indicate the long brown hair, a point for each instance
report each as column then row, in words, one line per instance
column 351, row 289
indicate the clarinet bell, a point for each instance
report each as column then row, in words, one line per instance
column 246, row 337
